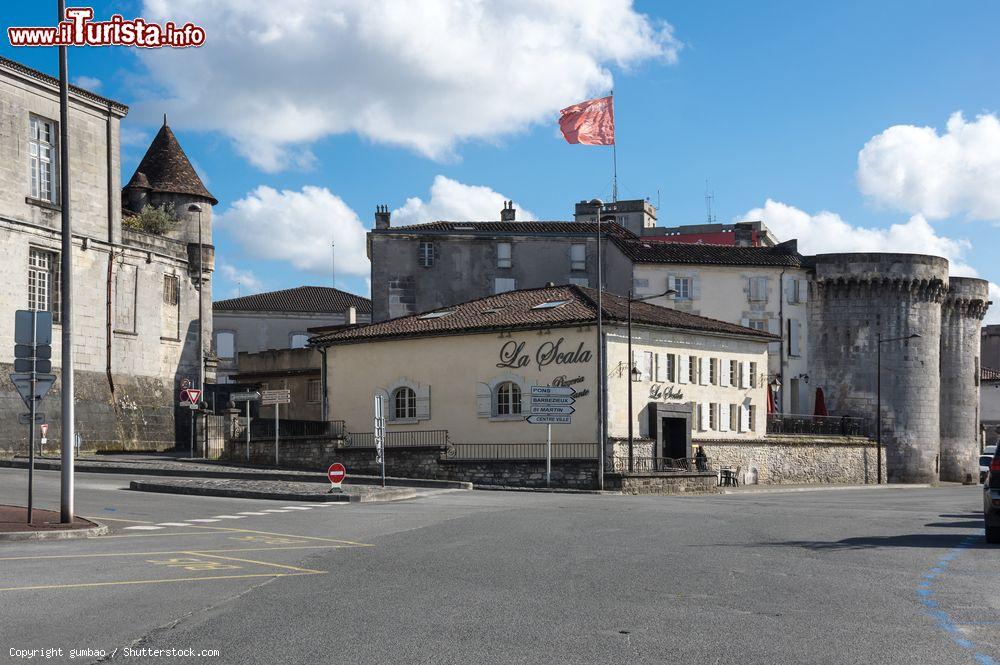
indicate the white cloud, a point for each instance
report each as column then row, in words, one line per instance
column 87, row 83
column 917, row 170
column 242, row 282
column 452, row 200
column 297, row 227
column 276, row 76
column 826, row 232
column 993, row 313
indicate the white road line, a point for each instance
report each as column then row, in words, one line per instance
column 145, row 527
column 204, row 519
column 251, row 513
column 299, row 507
column 276, row 510
column 229, row 517
column 174, row 524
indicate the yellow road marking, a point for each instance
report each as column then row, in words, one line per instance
column 259, row 563
column 176, row 579
column 111, row 554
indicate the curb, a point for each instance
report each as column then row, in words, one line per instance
column 164, row 488
column 293, row 476
column 777, row 489
column 10, row 536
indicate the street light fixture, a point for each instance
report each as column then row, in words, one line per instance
column 634, row 371
column 601, row 375
column 194, row 207
column 878, row 397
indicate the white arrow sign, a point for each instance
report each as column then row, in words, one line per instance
column 549, row 420
column 546, row 409
column 541, row 399
column 551, row 390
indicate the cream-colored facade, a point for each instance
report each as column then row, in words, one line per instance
column 463, row 384
column 773, row 299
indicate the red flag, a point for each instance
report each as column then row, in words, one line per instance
column 591, row 122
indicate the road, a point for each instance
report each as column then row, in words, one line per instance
column 851, row 576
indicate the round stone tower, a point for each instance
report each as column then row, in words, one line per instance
column 962, row 313
column 859, row 299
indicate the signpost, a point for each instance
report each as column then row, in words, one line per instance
column 32, row 378
column 379, row 428
column 276, row 398
column 191, row 397
column 551, row 405
column 336, row 473
column 249, row 396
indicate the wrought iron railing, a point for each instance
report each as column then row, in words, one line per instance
column 263, row 428
column 619, row 464
column 778, row 423
column 409, row 439
column 521, row 451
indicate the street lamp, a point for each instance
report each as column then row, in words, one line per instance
column 601, row 376
column 194, row 207
column 878, row 397
column 634, row 371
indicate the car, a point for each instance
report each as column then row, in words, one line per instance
column 984, row 462
column 991, row 500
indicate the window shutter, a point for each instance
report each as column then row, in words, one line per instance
column 723, row 417
column 745, row 322
column 745, row 374
column 484, row 400
column 704, row 417
column 723, row 372
column 423, row 403
column 682, row 368
column 803, row 290
column 744, row 417
column 705, row 368
column 793, row 337
column 695, row 288
column 672, row 284
column 648, row 361
column 661, row 367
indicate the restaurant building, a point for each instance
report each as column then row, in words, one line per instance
column 464, row 374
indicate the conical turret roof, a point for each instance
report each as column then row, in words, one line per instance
column 165, row 168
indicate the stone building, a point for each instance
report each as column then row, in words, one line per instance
column 279, row 320
column 930, row 350
column 991, row 345
column 989, row 406
column 135, row 292
column 298, row 370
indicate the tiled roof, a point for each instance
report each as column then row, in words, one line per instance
column 514, row 310
column 311, row 299
column 165, row 168
column 493, row 227
column 640, row 251
column 990, row 374
column 120, row 108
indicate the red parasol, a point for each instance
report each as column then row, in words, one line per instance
column 770, row 401
column 820, row 404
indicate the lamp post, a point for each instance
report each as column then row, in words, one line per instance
column 633, row 369
column 878, row 398
column 601, row 375
column 194, row 207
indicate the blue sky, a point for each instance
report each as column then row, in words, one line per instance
column 767, row 101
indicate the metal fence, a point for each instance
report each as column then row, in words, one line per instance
column 778, row 423
column 521, row 451
column 263, row 428
column 414, row 439
column 619, row 463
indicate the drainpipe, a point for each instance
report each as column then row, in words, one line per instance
column 781, row 353
column 111, row 253
column 325, row 408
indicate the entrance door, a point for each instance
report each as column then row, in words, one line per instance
column 793, row 389
column 674, row 437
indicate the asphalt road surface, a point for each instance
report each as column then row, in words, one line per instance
column 851, row 576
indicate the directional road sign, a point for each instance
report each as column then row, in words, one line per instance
column 29, row 364
column 546, row 409
column 550, row 420
column 23, row 384
column 249, row 396
column 42, row 351
column 25, row 419
column 551, row 390
column 542, row 399
column 268, row 397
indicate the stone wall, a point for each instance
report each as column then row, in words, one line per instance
column 662, row 483
column 784, row 459
column 572, row 474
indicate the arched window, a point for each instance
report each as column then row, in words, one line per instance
column 508, row 399
column 404, row 404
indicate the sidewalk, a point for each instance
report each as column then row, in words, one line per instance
column 282, row 490
column 45, row 524
column 778, row 489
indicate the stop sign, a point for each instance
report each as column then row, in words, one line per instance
column 336, row 473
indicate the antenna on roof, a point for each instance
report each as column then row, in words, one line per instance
column 333, row 263
column 709, row 201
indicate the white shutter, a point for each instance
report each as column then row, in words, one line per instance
column 803, row 290
column 661, row 367
column 723, row 372
column 793, row 337
column 695, row 288
column 745, row 374
column 672, row 284
column 745, row 322
column 648, row 360
column 424, row 403
column 705, row 368
column 484, row 400
column 723, row 417
column 703, row 417
column 744, row 417
column 682, row 368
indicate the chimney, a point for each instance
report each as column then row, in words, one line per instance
column 382, row 216
column 351, row 317
column 508, row 212
column 743, row 232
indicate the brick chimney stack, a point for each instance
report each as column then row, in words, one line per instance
column 382, row 216
column 508, row 212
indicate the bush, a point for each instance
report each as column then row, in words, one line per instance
column 158, row 219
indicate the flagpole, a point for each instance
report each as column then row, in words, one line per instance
column 614, row 157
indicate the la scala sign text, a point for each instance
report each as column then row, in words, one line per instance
column 660, row 391
column 514, row 355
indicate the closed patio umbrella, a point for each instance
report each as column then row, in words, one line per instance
column 770, row 401
column 820, row 404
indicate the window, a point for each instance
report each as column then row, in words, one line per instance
column 713, row 416
column 436, row 315
column 682, row 285
column 758, row 289
column 752, row 417
column 225, row 345
column 425, row 254
column 404, row 404
column 503, row 255
column 671, row 369
column 795, row 291
column 43, row 282
column 734, row 373
column 169, row 315
column 580, row 281
column 298, row 340
column 753, row 375
column 713, row 371
column 171, row 291
column 503, row 284
column 640, row 284
column 758, row 324
column 126, row 280
column 578, row 257
column 41, row 159
column 734, row 417
column 314, row 391
column 550, row 305
column 692, row 369
column 793, row 338
column 508, row 401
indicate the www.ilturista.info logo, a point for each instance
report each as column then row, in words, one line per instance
column 79, row 29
